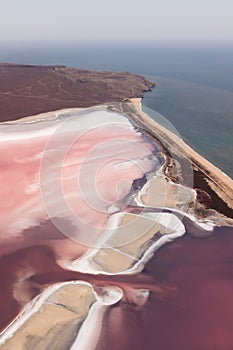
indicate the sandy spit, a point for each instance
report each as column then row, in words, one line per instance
column 218, row 181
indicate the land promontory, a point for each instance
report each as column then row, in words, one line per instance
column 30, row 89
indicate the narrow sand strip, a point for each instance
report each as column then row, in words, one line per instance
column 218, row 181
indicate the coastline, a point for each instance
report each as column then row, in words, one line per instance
column 219, row 182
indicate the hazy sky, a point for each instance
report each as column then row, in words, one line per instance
column 120, row 20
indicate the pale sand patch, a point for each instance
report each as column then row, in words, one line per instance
column 55, row 325
column 162, row 193
column 112, row 261
column 133, row 234
column 127, row 244
column 137, row 102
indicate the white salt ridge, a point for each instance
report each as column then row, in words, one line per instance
column 174, row 229
column 87, row 120
column 89, row 332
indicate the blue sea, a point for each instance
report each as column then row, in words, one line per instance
column 194, row 89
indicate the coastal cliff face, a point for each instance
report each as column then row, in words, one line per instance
column 27, row 89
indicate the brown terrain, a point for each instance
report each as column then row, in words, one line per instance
column 28, row 90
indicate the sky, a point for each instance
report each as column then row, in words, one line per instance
column 116, row 21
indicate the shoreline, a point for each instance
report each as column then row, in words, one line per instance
column 220, row 183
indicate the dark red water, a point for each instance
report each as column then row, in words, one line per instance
column 190, row 305
column 197, row 315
